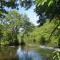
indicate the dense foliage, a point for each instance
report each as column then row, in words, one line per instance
column 41, row 34
column 47, row 33
column 4, row 4
column 10, row 26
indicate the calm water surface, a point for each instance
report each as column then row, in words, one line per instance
column 28, row 55
column 19, row 53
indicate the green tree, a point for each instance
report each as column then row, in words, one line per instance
column 27, row 28
column 12, row 22
column 50, row 7
column 47, row 7
column 7, row 3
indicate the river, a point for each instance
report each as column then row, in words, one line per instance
column 22, row 53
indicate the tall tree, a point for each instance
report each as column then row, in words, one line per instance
column 12, row 22
column 28, row 26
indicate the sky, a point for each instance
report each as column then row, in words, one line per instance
column 30, row 14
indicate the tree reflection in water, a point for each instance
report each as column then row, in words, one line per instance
column 27, row 55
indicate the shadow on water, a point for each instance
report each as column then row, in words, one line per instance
column 8, row 53
column 25, row 54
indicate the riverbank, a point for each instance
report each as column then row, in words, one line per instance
column 45, row 47
column 40, row 46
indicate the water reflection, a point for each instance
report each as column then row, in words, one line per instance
column 8, row 53
column 27, row 55
column 20, row 53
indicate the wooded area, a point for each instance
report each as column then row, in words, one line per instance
column 46, row 33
